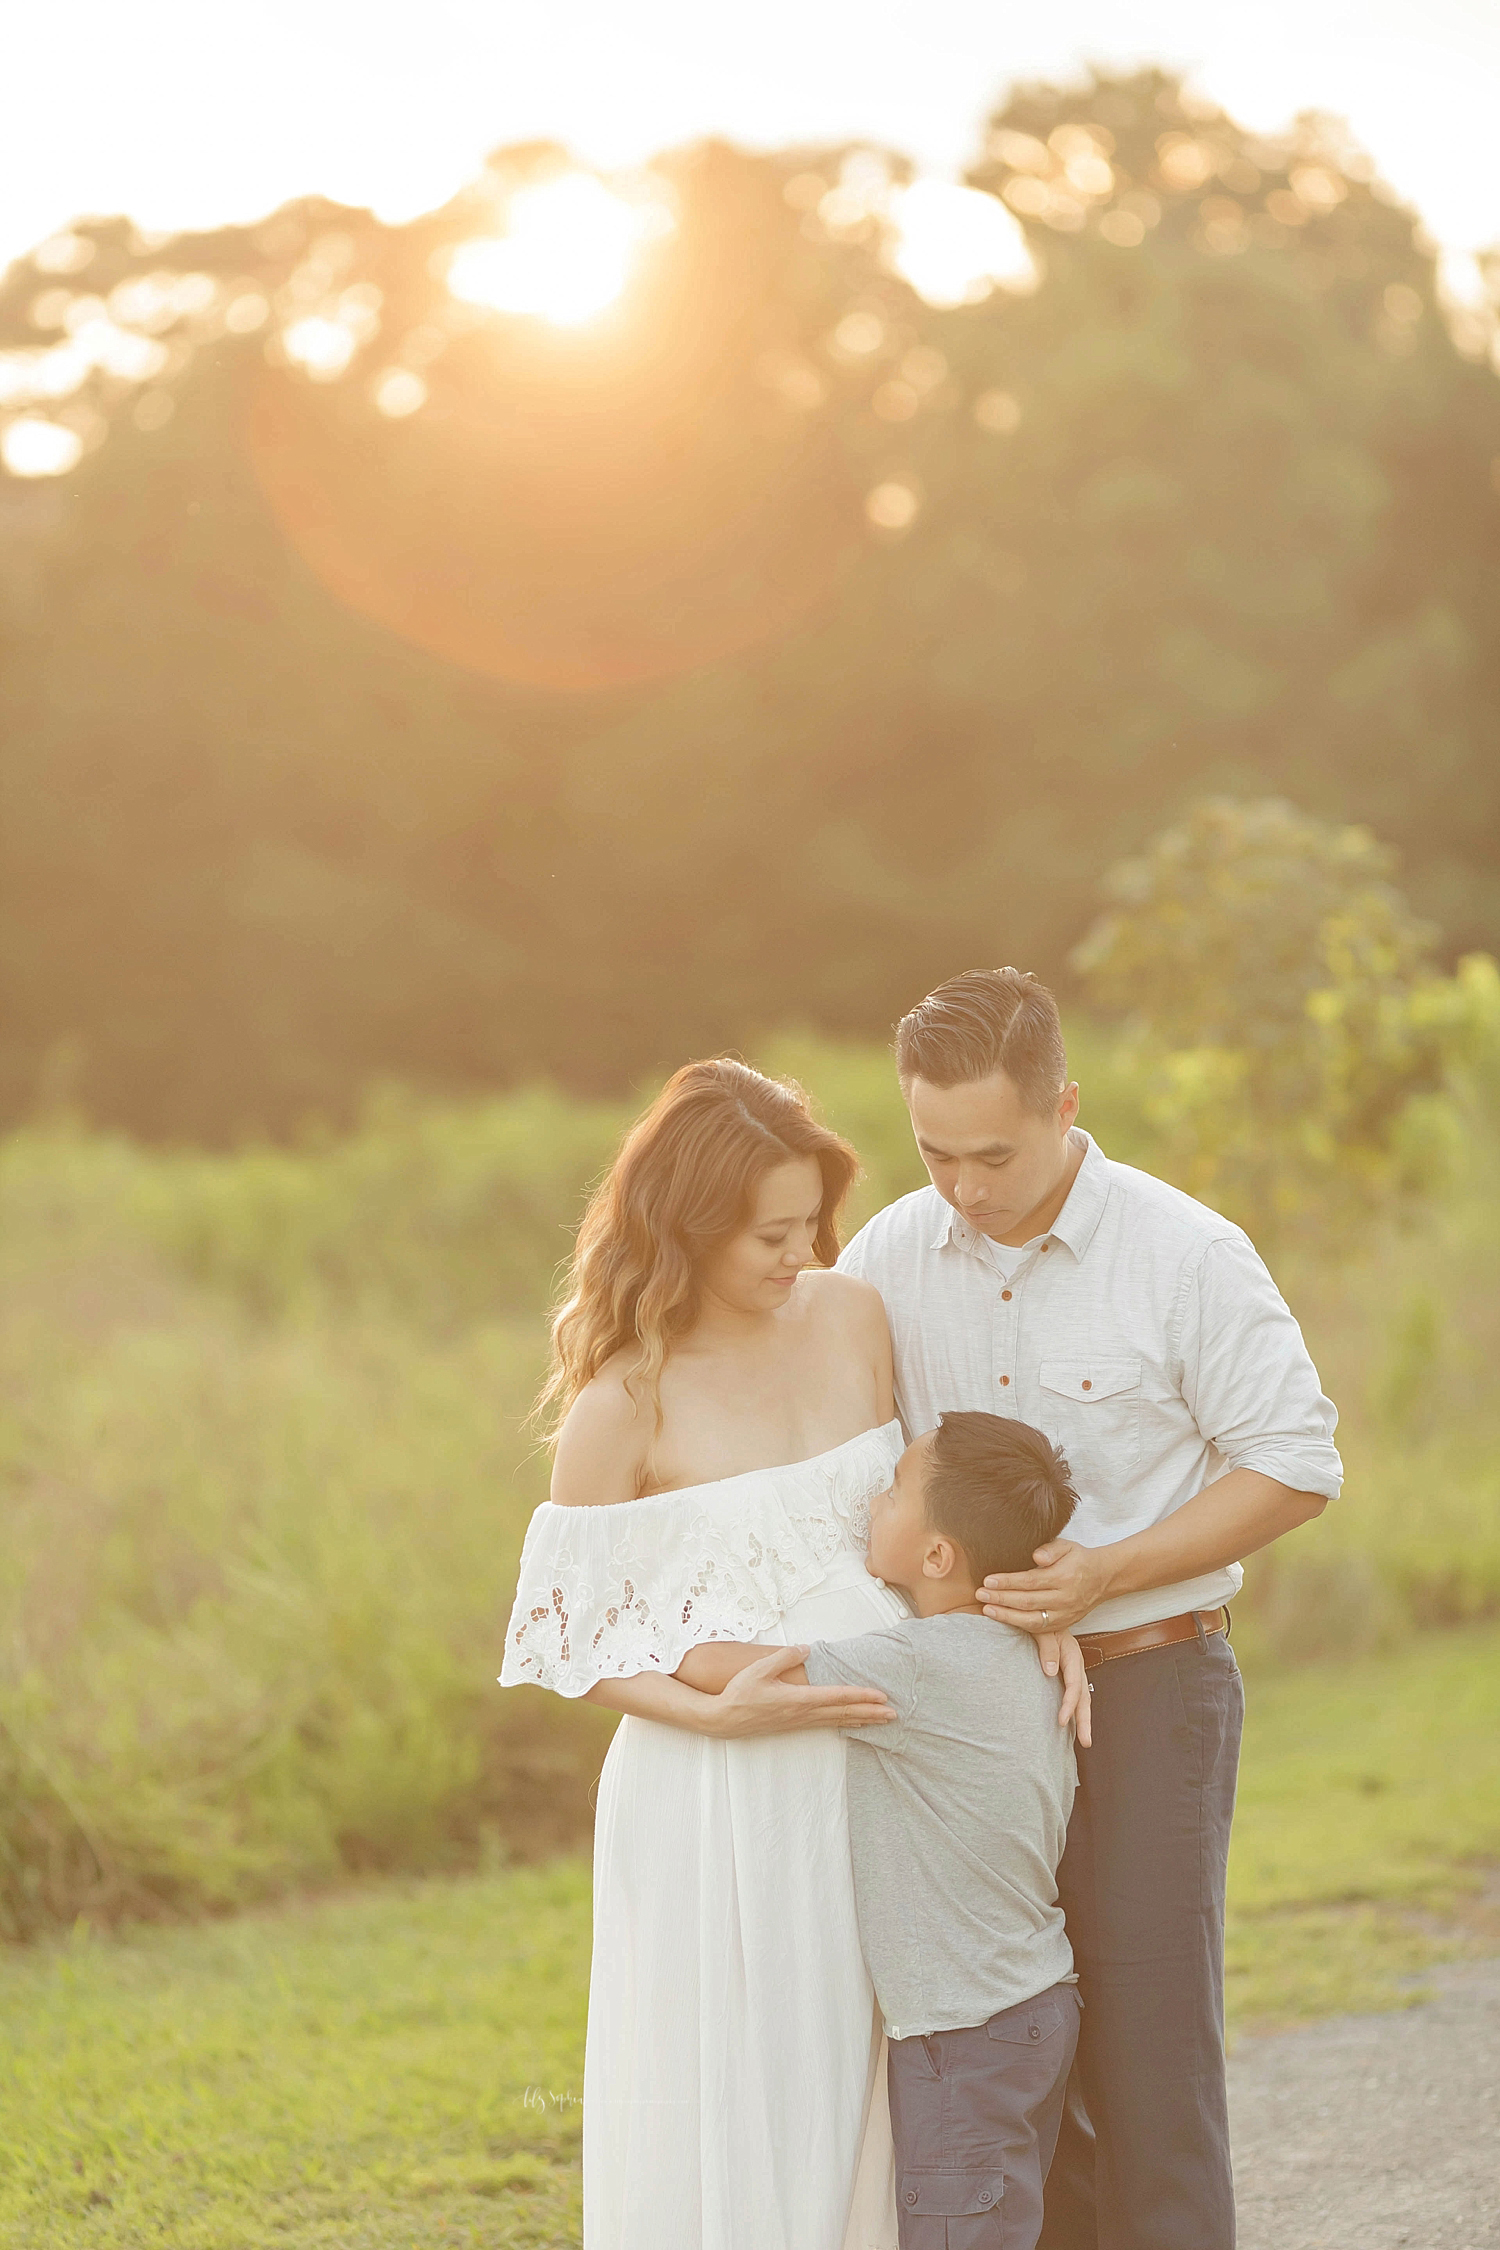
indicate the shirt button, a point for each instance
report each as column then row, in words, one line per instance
column 1088, row 1386
column 910, row 2196
column 1004, row 1382
column 986, row 2196
column 1005, row 1296
column 1033, row 2033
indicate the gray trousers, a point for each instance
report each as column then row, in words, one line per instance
column 975, row 2115
column 1143, row 2157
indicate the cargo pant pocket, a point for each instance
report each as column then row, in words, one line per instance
column 1028, row 2025
column 950, row 2210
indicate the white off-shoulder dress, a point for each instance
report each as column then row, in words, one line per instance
column 734, row 2088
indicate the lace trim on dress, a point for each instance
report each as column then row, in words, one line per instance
column 609, row 1592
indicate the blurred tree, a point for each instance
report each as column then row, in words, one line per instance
column 1213, row 507
column 401, row 687
column 1281, row 1002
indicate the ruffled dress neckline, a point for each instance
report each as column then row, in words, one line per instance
column 886, row 1432
column 630, row 1586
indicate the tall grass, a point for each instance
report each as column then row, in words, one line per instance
column 262, row 1486
column 263, row 1483
column 1406, row 1338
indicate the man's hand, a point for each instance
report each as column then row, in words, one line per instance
column 1059, row 1652
column 758, row 1700
column 1067, row 1583
column 1229, row 1519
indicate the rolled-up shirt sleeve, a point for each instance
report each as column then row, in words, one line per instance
column 1247, row 1376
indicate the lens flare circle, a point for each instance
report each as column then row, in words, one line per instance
column 31, row 447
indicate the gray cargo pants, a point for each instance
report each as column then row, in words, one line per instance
column 975, row 2116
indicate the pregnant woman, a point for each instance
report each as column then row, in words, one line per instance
column 725, row 1417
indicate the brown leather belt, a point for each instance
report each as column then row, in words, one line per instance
column 1103, row 1648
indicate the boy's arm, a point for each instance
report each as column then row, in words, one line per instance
column 718, row 1669
column 711, row 1668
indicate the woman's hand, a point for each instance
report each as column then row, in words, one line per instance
column 1059, row 1652
column 1067, row 1583
column 759, row 1701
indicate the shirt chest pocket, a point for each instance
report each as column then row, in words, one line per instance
column 1091, row 1407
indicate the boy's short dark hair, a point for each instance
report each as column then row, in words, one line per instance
column 985, row 1021
column 998, row 1489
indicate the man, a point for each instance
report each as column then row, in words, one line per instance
column 1142, row 1333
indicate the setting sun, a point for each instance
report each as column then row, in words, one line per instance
column 567, row 253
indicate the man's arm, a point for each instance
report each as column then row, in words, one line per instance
column 1227, row 1521
column 1253, row 1391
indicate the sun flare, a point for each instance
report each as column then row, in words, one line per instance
column 566, row 256
column 953, row 244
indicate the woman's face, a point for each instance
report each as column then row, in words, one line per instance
column 754, row 1271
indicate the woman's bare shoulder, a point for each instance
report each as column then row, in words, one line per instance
column 842, row 1297
column 602, row 1445
column 851, row 1316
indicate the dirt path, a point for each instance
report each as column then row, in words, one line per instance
column 1375, row 2132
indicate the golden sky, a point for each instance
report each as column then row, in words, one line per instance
column 188, row 114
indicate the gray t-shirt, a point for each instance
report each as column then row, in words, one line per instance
column 957, row 1815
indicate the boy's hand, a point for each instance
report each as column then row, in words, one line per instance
column 1059, row 1652
column 1067, row 1583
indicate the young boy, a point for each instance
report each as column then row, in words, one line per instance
column 957, row 1817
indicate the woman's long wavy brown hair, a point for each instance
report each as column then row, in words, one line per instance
column 681, row 1186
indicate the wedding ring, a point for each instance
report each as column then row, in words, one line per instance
column 1044, row 1617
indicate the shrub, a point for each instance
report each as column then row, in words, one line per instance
column 1292, row 1035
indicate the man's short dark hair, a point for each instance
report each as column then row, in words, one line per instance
column 997, row 1489
column 985, row 1021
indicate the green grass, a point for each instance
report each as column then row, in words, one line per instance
column 251, row 1642
column 1406, row 1338
column 400, row 2065
column 1369, row 1810
column 386, row 2068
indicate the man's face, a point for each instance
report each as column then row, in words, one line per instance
column 997, row 1162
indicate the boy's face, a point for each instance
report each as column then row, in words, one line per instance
column 904, row 1549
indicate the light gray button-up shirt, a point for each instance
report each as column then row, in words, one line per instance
column 1143, row 1334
